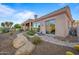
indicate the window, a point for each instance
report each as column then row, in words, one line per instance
column 50, row 26
column 36, row 24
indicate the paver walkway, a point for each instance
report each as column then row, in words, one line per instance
column 51, row 39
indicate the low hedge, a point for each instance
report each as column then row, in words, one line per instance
column 36, row 40
column 31, row 32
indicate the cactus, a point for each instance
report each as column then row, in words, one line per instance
column 76, row 47
column 69, row 53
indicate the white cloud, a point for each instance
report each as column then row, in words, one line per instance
column 10, row 14
column 22, row 16
column 5, row 11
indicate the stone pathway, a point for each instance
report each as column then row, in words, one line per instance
column 51, row 39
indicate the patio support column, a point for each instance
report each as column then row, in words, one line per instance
column 30, row 26
column 24, row 27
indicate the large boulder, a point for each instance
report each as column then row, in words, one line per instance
column 18, row 42
column 26, row 49
column 23, row 44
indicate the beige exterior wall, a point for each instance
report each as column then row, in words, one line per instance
column 61, row 25
column 42, row 27
column 78, row 30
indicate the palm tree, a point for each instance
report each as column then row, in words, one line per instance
column 7, row 24
column 11, row 23
column 2, row 24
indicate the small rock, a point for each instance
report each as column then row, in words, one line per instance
column 36, row 34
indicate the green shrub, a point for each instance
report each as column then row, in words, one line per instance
column 76, row 47
column 1, row 29
column 17, row 26
column 5, row 30
column 69, row 53
column 36, row 40
column 31, row 32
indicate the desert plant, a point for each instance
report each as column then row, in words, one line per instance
column 6, row 26
column 1, row 29
column 69, row 53
column 76, row 47
column 10, row 24
column 2, row 24
column 36, row 40
column 31, row 32
column 5, row 30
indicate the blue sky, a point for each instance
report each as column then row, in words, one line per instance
column 19, row 12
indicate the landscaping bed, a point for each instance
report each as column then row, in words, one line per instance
column 6, row 47
column 46, row 48
column 68, row 38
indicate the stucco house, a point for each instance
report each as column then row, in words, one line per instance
column 77, row 23
column 61, row 19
